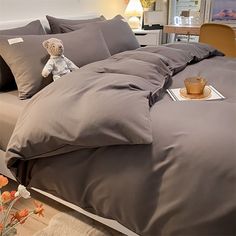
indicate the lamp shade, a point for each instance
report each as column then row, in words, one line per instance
column 134, row 8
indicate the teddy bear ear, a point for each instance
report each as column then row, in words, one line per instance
column 45, row 44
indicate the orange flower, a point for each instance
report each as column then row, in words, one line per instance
column 13, row 195
column 19, row 215
column 6, row 196
column 3, row 181
column 1, row 226
column 38, row 208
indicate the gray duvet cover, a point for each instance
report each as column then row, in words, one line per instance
column 108, row 139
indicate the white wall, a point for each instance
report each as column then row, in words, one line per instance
column 23, row 9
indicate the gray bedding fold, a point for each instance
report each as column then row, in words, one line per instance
column 180, row 180
column 10, row 109
column 106, row 103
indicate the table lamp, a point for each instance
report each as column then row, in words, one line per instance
column 134, row 12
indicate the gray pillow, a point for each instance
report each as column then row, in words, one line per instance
column 27, row 59
column 56, row 22
column 116, row 32
column 199, row 51
column 176, row 59
column 34, row 27
column 6, row 76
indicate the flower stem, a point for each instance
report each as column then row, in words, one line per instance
column 7, row 214
column 19, row 222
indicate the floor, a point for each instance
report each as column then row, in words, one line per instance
column 36, row 223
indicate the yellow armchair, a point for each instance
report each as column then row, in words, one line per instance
column 220, row 36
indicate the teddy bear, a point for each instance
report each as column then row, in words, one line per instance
column 58, row 64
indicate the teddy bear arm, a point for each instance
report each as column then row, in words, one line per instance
column 47, row 68
column 71, row 65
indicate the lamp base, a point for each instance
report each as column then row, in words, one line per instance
column 134, row 22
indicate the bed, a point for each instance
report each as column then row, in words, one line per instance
column 151, row 166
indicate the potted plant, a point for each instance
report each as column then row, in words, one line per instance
column 10, row 218
column 147, row 4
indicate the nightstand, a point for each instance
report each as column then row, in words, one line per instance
column 148, row 37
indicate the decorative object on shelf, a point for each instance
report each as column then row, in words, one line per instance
column 134, row 12
column 188, row 18
column 9, row 219
column 150, row 15
column 147, row 4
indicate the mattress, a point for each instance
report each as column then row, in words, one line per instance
column 10, row 108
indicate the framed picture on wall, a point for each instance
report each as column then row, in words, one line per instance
column 223, row 11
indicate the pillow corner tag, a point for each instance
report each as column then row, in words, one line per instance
column 15, row 40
